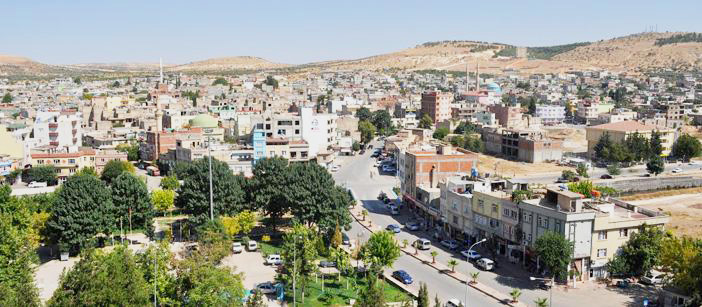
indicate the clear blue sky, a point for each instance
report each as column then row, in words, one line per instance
column 65, row 32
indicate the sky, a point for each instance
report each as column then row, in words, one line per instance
column 296, row 32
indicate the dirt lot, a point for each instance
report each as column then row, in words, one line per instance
column 573, row 138
column 684, row 206
column 486, row 164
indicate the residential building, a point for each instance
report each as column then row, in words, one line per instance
column 619, row 131
column 550, row 114
column 524, row 145
column 57, row 129
column 66, row 162
column 102, row 156
column 437, row 105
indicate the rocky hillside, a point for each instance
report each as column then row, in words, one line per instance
column 228, row 64
column 21, row 66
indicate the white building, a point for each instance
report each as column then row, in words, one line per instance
column 57, row 129
column 550, row 114
column 319, row 130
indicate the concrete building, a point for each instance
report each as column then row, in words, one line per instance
column 550, row 114
column 524, row 145
column 437, row 105
column 57, row 129
column 456, row 204
column 507, row 116
column 102, row 156
column 619, row 131
column 66, row 163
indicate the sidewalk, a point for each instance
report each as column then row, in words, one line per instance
column 500, row 297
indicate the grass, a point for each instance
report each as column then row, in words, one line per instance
column 271, row 247
column 336, row 294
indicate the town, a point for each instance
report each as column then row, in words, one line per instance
column 485, row 184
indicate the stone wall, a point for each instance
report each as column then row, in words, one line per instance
column 629, row 185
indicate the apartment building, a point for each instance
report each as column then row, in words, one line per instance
column 57, row 129
column 508, row 116
column 102, row 156
column 619, row 131
column 437, row 105
column 550, row 114
column 66, row 162
column 457, row 204
column 523, row 145
column 488, row 219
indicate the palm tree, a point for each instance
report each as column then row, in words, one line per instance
column 541, row 302
column 404, row 243
column 364, row 213
column 416, row 251
column 433, row 256
column 452, row 264
column 474, row 277
column 515, row 294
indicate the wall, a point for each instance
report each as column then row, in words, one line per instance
column 651, row 183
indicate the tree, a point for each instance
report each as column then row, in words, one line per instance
column 316, row 200
column 655, row 144
column 641, row 253
column 383, row 122
column 686, row 147
column 474, row 277
column 465, row 128
column 372, row 295
column 367, row 131
column 337, row 237
column 243, row 222
column 613, row 169
column 581, row 169
column 82, row 209
column 423, row 296
column 555, row 252
column 440, row 133
column 269, row 174
column 356, row 146
column 425, row 122
column 256, row 300
column 7, row 98
column 299, row 255
column 202, row 283
column 114, row 168
column 77, row 80
column 682, row 257
column 194, row 193
column 363, row 114
column 85, row 284
column 541, row 302
column 131, row 149
column 170, row 183
column 601, row 149
column 638, row 146
column 515, row 294
column 220, row 81
column 43, row 173
column 156, row 264
column 380, row 251
column 655, row 165
column 131, row 201
column 437, row 302
column 272, row 81
column 162, row 200
column 452, row 264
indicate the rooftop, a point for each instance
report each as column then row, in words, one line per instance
column 627, row 126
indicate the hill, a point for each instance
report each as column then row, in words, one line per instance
column 21, row 66
column 228, row 64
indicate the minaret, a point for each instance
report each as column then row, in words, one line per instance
column 477, row 75
column 467, row 86
column 160, row 65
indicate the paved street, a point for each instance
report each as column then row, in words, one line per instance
column 355, row 173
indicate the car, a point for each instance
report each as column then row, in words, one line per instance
column 266, row 288
column 251, row 246
column 653, row 277
column 454, row 302
column 422, row 244
column 394, row 210
column 274, row 259
column 335, row 168
column 345, row 239
column 562, row 180
column 402, row 276
column 376, row 163
column 606, row 176
column 327, row 264
column 36, row 184
column 394, row 228
column 450, row 244
column 237, row 247
column 677, row 170
column 485, row 264
column 375, row 155
column 471, row 255
column 412, row 226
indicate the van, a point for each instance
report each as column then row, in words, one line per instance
column 252, row 246
column 422, row 244
column 485, row 264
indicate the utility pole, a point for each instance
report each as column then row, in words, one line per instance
column 155, row 279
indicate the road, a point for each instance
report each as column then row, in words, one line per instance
column 637, row 170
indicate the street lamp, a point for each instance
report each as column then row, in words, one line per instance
column 550, row 289
column 207, row 123
column 467, row 283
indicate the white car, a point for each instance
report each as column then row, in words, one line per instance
column 653, row 277
column 237, row 247
column 36, row 184
column 252, row 246
column 677, row 170
column 450, row 244
column 335, row 168
column 454, row 302
column 471, row 255
column 485, row 264
column 266, row 288
column 274, row 259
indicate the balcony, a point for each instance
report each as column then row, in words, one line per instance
column 74, row 122
column 53, row 125
column 75, row 140
column 54, row 143
column 53, row 134
column 75, row 131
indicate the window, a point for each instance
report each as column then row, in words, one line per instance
column 529, row 238
column 272, row 153
column 40, row 161
column 284, row 152
column 494, row 208
column 455, row 219
column 602, row 235
column 558, row 226
column 57, row 161
column 72, row 161
column 297, row 131
column 293, row 154
column 624, row 232
column 72, row 170
column 602, row 252
column 505, row 212
column 455, row 205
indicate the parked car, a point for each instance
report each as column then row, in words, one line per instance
column 393, row 228
column 450, row 244
column 606, row 176
column 394, row 210
column 485, row 264
column 402, row 276
column 237, row 247
column 471, row 255
column 274, row 259
column 266, row 288
column 36, row 184
column 454, row 302
column 375, row 154
column 251, row 246
column 422, row 244
column 327, row 264
column 335, row 168
column 653, row 277
column 345, row 239
column 412, row 226
column 677, row 170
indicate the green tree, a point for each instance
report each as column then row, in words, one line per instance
column 541, row 302
column 372, row 295
column 437, row 302
column 202, row 283
column 162, row 200
column 363, row 114
column 264, row 188
column 515, row 294
column 613, row 169
column 383, row 122
column 85, row 284
column 272, row 81
column 380, row 251
column 114, row 168
column 655, row 165
column 156, row 265
column 132, row 203
column 440, row 133
column 425, row 122
column 423, row 296
column 581, row 169
column 77, row 80
column 7, row 98
column 337, row 237
column 638, row 146
column 465, row 128
column 682, row 257
column 170, row 183
column 82, row 209
column 367, row 131
column 299, row 254
column 641, row 252
column 452, row 264
column 256, row 300
column 356, row 146
column 655, row 144
column 603, row 147
column 555, row 252
column 220, row 81
column 316, row 200
column 131, row 149
column 194, row 193
column 243, row 222
column 43, row 173
column 686, row 147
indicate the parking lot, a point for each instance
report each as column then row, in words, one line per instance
column 251, row 266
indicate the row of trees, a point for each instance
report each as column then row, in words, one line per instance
column 380, row 121
column 637, row 148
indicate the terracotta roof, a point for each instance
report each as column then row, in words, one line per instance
column 628, row 125
column 83, row 152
